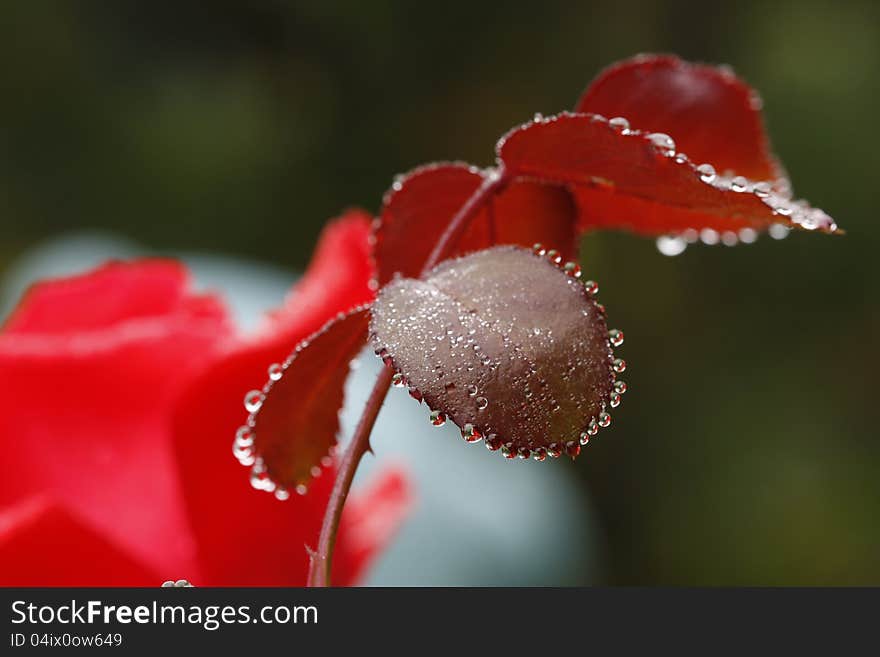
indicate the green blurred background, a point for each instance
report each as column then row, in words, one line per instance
column 747, row 450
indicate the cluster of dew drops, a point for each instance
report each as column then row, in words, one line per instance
column 777, row 195
column 471, row 434
column 243, row 445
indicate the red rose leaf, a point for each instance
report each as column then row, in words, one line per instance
column 295, row 425
column 596, row 156
column 712, row 115
column 418, row 208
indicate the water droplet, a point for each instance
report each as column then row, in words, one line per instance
column 815, row 218
column 592, row 427
column 507, row 451
column 276, row 370
column 690, row 235
column 253, row 400
column 554, row 257
column 585, row 438
column 493, row 442
column 281, row 493
column 748, row 235
column 539, row 249
column 538, row 117
column 604, row 419
column 619, row 387
column 729, row 238
column 260, row 480
column 471, row 434
column 755, row 101
column 619, row 123
column 616, row 337
column 739, row 184
column 663, row 143
column 438, row 418
column 709, row 236
column 472, row 391
column 572, row 269
column 398, row 380
column 707, row 172
column 301, row 489
column 592, row 287
column 539, row 454
column 614, row 400
column 244, row 436
column 572, row 448
column 779, row 205
column 524, row 453
column 482, row 403
column 778, row 231
column 762, row 189
column 618, row 365
column 671, row 245
column 244, row 453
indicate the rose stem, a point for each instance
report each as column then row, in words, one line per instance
column 321, row 560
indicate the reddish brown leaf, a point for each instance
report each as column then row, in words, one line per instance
column 295, row 426
column 418, row 208
column 606, row 158
column 506, row 345
column 712, row 115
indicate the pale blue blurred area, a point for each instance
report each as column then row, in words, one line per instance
column 248, row 287
column 478, row 519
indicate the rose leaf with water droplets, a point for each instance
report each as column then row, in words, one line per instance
column 708, row 112
column 297, row 422
column 419, row 206
column 504, row 343
column 621, row 179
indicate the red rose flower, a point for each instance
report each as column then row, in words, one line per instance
column 115, row 423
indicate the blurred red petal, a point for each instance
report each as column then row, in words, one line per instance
column 712, row 115
column 247, row 537
column 87, row 379
column 113, row 294
column 589, row 153
column 419, row 207
column 297, row 422
column 43, row 544
column 370, row 520
column 338, row 278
